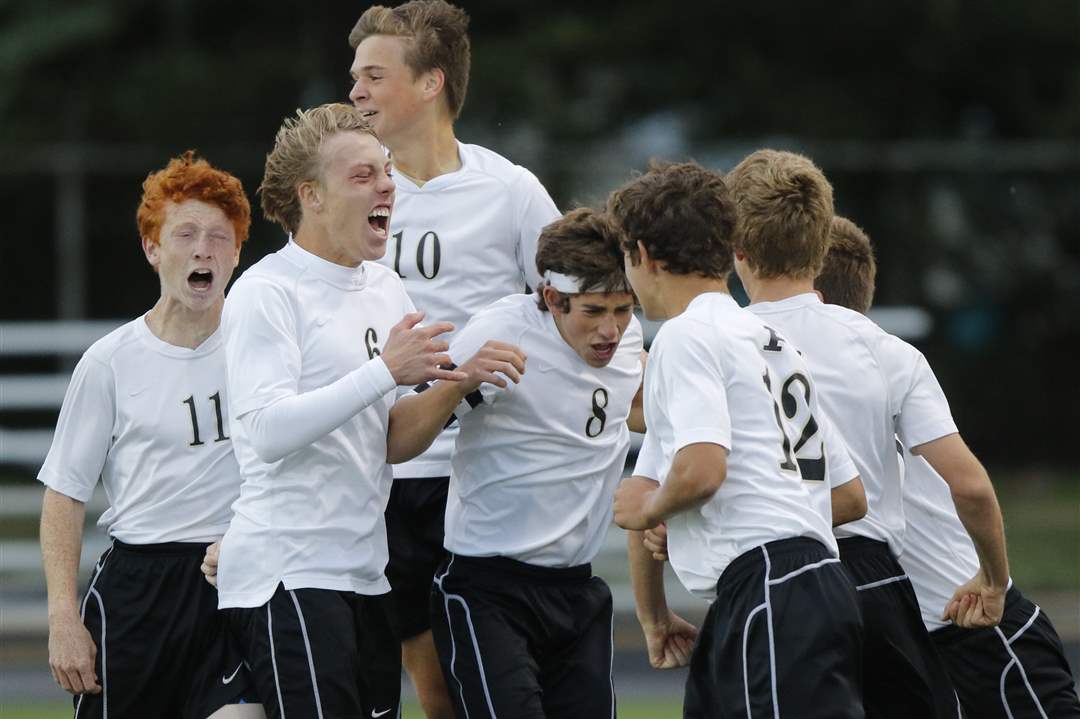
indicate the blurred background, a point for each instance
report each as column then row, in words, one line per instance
column 950, row 130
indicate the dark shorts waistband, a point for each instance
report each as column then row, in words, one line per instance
column 862, row 545
column 507, row 567
column 952, row 633
column 751, row 559
column 198, row 548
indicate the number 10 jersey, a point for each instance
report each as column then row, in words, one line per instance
column 460, row 242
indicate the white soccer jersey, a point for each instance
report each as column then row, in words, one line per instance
column 716, row 374
column 874, row 387
column 312, row 518
column 536, row 464
column 460, row 242
column 148, row 418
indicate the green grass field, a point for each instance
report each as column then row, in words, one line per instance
column 636, row 710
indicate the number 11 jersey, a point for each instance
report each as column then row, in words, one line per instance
column 151, row 419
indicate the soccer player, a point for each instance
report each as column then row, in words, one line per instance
column 463, row 235
column 317, row 337
column 728, row 401
column 522, row 626
column 1017, row 669
column 874, row 387
column 147, row 412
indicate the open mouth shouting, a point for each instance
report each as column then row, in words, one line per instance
column 379, row 219
column 201, row 280
column 604, row 351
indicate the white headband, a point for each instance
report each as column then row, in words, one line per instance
column 568, row 284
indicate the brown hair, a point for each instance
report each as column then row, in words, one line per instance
column 296, row 158
column 583, row 243
column 438, row 34
column 190, row 178
column 784, row 205
column 682, row 213
column 847, row 277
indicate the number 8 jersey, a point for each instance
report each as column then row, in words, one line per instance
column 536, row 463
column 716, row 374
column 150, row 419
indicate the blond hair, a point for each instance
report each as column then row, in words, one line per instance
column 438, row 38
column 783, row 207
column 296, row 157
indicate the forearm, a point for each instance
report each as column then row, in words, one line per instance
column 416, row 421
column 647, row 580
column 981, row 516
column 695, row 476
column 62, row 520
column 295, row 422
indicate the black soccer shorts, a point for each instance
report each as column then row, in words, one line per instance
column 1012, row 671
column 783, row 638
column 163, row 649
column 320, row 653
column 414, row 532
column 903, row 676
column 518, row 640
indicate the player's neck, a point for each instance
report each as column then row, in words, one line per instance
column 429, row 151
column 678, row 291
column 775, row 289
column 316, row 239
column 173, row 323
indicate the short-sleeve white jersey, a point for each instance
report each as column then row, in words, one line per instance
column 148, row 418
column 536, row 464
column 313, row 518
column 716, row 374
column 874, row 387
column 460, row 242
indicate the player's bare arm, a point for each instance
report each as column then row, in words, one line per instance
column 668, row 638
column 696, row 474
column 413, row 355
column 71, row 649
column 416, row 421
column 655, row 540
column 848, row 502
column 981, row 601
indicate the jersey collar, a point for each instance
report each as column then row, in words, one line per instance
column 346, row 278
column 806, row 299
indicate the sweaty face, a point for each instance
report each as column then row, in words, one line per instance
column 595, row 323
column 384, row 87
column 356, row 196
column 195, row 255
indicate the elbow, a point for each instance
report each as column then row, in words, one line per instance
column 705, row 484
column 267, row 452
column 857, row 506
column 848, row 502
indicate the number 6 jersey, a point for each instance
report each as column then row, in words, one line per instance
column 150, row 419
column 536, row 464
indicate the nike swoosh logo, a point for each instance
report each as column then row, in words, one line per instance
column 226, row 680
column 376, row 715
